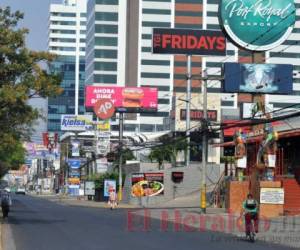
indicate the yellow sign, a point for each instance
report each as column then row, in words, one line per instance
column 103, row 125
column 74, row 181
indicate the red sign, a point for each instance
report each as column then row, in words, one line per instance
column 104, row 109
column 188, row 41
column 197, row 115
column 125, row 99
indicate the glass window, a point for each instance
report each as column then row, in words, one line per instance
column 109, row 29
column 106, row 16
column 108, row 2
column 106, row 53
column 106, row 66
column 106, row 41
column 105, row 78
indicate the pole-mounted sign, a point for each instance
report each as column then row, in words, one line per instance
column 258, row 25
column 104, row 109
column 188, row 42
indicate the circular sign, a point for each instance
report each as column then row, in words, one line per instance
column 104, row 109
column 258, row 25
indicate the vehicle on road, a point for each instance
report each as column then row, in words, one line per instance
column 21, row 190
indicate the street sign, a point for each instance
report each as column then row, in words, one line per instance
column 104, row 109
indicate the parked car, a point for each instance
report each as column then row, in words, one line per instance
column 21, row 190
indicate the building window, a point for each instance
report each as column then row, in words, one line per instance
column 106, row 66
column 105, row 78
column 106, row 16
column 107, row 2
column 106, row 54
column 108, row 29
column 106, row 41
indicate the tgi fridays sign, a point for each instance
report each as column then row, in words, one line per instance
column 258, row 25
column 197, row 114
column 188, row 41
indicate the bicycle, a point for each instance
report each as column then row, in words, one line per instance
column 250, row 235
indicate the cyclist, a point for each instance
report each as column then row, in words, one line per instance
column 250, row 207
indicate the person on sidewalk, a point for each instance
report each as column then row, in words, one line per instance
column 250, row 209
column 5, row 203
column 112, row 201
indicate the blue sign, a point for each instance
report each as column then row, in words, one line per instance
column 258, row 78
column 74, row 163
column 109, row 185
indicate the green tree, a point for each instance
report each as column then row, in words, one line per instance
column 22, row 76
column 168, row 151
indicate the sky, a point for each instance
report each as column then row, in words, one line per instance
column 36, row 14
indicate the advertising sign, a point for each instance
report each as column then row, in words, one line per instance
column 147, row 184
column 104, row 109
column 102, row 165
column 74, row 163
column 128, row 99
column 76, row 122
column 74, row 172
column 257, row 24
column 103, row 125
column 258, row 78
column 248, row 107
column 177, row 177
column 188, row 41
column 75, row 147
column 109, row 185
column 89, row 188
column 197, row 114
column 74, row 181
column 272, row 196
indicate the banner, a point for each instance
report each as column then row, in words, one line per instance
column 75, row 148
column 258, row 78
column 272, row 196
column 109, row 185
column 188, row 42
column 89, row 188
column 128, row 99
column 197, row 115
column 76, row 122
column 147, row 184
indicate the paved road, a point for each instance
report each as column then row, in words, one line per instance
column 39, row 224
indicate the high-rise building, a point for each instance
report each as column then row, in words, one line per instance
column 67, row 32
column 119, row 52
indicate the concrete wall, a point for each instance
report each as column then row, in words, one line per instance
column 191, row 182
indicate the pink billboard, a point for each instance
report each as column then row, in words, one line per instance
column 125, row 99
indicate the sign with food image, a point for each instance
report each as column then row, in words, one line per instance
column 147, row 184
column 124, row 99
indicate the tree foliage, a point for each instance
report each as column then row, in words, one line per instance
column 22, row 76
column 168, row 151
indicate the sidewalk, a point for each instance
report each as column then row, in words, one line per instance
column 73, row 201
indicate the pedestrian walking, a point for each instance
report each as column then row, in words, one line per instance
column 5, row 204
column 112, row 201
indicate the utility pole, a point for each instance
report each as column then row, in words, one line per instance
column 188, row 108
column 204, row 79
column 121, row 123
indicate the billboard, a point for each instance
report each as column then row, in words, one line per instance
column 125, row 99
column 147, row 184
column 89, row 188
column 76, row 122
column 258, row 78
column 188, row 42
column 197, row 114
column 257, row 25
column 109, row 186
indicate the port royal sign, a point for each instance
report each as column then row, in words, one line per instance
column 257, row 25
column 188, row 41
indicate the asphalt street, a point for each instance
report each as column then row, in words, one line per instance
column 39, row 224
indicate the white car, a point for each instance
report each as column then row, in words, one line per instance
column 7, row 189
column 21, row 190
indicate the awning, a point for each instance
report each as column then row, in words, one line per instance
column 281, row 135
